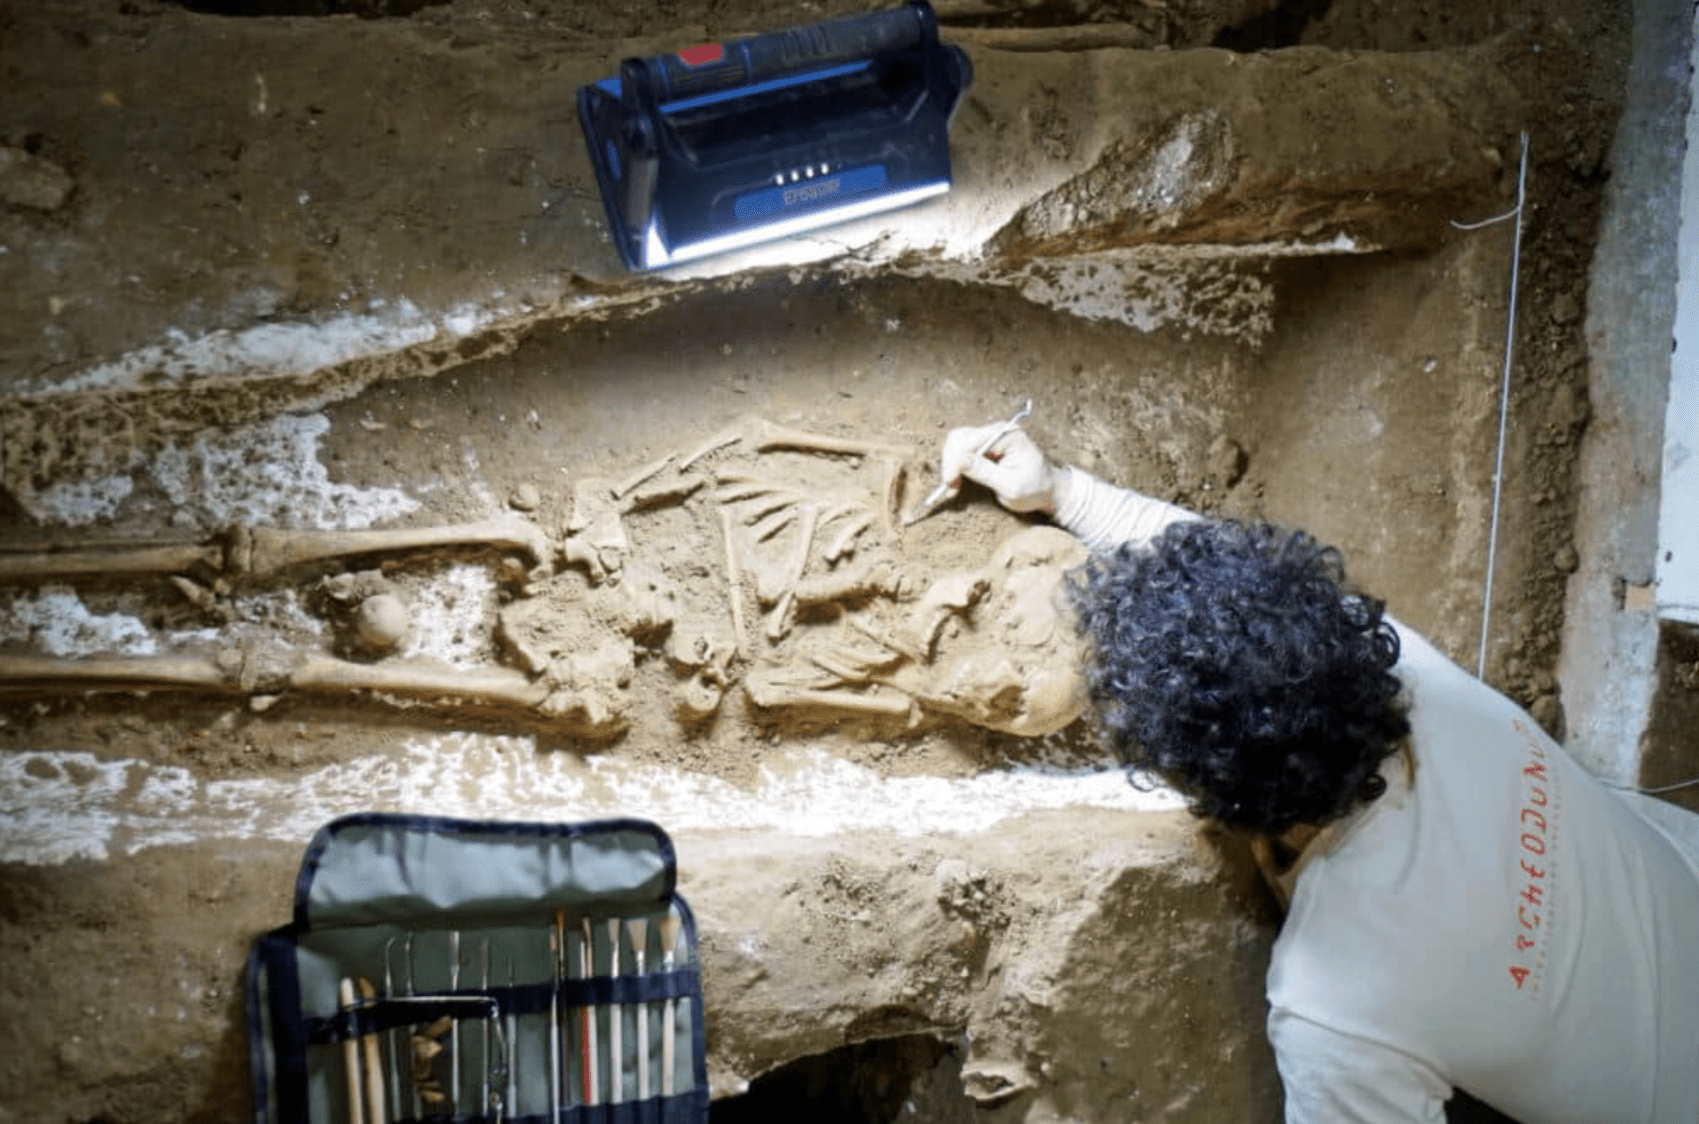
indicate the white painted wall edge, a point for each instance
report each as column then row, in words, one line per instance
column 1678, row 515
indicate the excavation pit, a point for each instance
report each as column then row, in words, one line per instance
column 327, row 307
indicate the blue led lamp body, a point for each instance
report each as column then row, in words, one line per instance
column 722, row 146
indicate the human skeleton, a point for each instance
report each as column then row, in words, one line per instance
column 817, row 609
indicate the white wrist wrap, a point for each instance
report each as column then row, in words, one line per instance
column 1103, row 516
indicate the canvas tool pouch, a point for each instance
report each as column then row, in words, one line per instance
column 480, row 971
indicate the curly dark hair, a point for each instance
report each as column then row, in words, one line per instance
column 1233, row 661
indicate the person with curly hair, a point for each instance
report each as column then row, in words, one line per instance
column 1467, row 907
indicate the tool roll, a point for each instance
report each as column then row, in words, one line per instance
column 451, row 969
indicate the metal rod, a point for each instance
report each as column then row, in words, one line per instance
column 413, row 1066
column 390, row 1035
column 512, row 1046
column 484, row 1049
column 454, row 1024
column 1504, row 394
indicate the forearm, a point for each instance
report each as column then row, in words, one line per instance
column 1103, row 516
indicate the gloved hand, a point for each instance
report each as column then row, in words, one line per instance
column 1013, row 467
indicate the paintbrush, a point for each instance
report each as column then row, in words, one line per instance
column 638, row 929
column 389, row 1036
column 484, row 1043
column 454, row 1024
column 374, row 1061
column 351, row 1055
column 511, row 1049
column 588, row 964
column 411, row 991
column 557, row 965
column 616, row 1062
column 670, row 927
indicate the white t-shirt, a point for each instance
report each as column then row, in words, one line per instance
column 1505, row 923
column 1500, row 922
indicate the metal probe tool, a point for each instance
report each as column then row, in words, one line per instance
column 946, row 488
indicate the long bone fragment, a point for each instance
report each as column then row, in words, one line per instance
column 87, row 559
column 853, row 665
column 734, row 580
column 116, row 673
column 854, row 582
column 770, row 694
column 312, row 673
column 886, row 639
column 769, row 436
column 262, row 550
column 676, row 490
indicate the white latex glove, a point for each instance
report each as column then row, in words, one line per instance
column 1013, row 467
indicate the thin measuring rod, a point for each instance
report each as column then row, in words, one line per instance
column 1503, row 394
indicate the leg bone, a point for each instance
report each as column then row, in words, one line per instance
column 263, row 550
column 93, row 559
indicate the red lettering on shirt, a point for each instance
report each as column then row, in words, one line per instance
column 1537, row 823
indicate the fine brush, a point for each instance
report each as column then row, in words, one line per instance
column 512, row 1102
column 638, row 929
column 587, row 964
column 411, row 992
column 670, row 927
column 616, row 1062
column 390, row 1035
column 454, row 1025
column 351, row 1055
column 373, row 1060
column 557, row 966
column 484, row 1052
